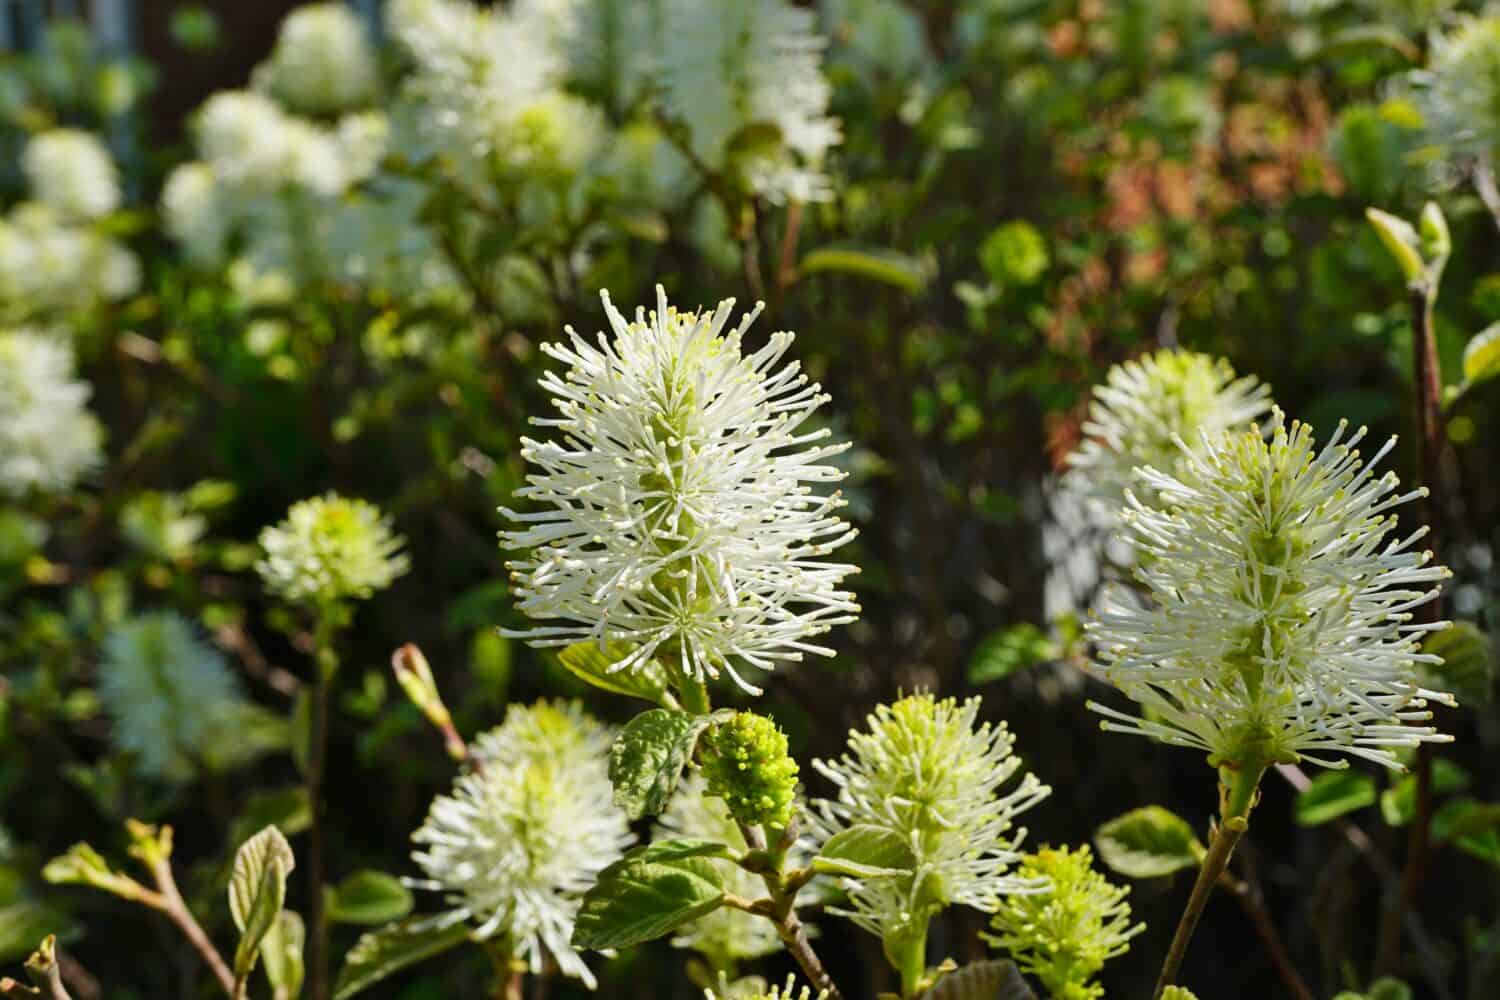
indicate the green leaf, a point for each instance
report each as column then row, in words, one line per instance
column 1332, row 794
column 648, row 893
column 281, row 955
column 368, row 897
column 647, row 758
column 382, row 953
column 994, row 980
column 865, row 852
column 1148, row 842
column 1485, row 846
column 1468, row 668
column 270, row 896
column 1482, row 355
column 890, row 267
column 1465, row 817
column 1006, row 650
column 590, row 664
column 254, row 858
column 1014, row 254
column 1398, row 804
column 1401, row 240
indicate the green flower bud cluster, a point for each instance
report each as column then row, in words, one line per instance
column 330, row 549
column 1065, row 934
column 745, row 762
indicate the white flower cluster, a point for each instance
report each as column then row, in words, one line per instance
column 1280, row 622
column 330, row 549
column 168, row 693
column 72, row 174
column 728, row 66
column 755, row 988
column 676, row 509
column 323, row 62
column 53, row 256
column 256, row 147
column 525, row 834
column 48, row 438
column 1146, row 406
column 929, row 773
column 726, row 935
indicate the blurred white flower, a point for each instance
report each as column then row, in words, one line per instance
column 1281, row 624
column 48, row 267
column 323, row 62
column 363, row 139
column 168, row 693
column 48, row 439
column 195, row 212
column 1149, row 404
column 726, row 935
column 729, row 65
column 928, row 772
column 755, row 988
column 676, row 507
column 525, row 834
column 244, row 136
column 1459, row 90
column 330, row 549
column 72, row 173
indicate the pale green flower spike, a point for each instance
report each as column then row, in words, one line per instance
column 1064, row 935
column 330, row 549
column 323, row 62
column 927, row 772
column 169, row 694
column 745, row 762
column 1178, row 993
column 1459, row 91
column 754, row 988
column 523, row 835
column 1280, row 622
column 70, row 171
column 727, row 935
column 1145, row 406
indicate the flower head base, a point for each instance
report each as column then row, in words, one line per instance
column 48, row 438
column 323, row 62
column 928, row 773
column 71, row 173
column 1146, row 405
column 522, row 837
column 745, row 762
column 726, row 935
column 169, row 694
column 330, row 549
column 1064, row 935
column 676, row 509
column 1281, row 621
column 754, row 988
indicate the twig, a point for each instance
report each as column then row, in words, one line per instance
column 325, row 665
column 781, row 905
column 44, row 972
column 169, row 900
column 1248, row 891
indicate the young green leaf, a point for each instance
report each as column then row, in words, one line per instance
column 590, row 664
column 1401, row 239
column 1148, row 842
column 648, row 756
column 1399, row 802
column 890, row 267
column 368, row 897
column 1468, row 667
column 281, row 955
column 1482, row 355
column 255, row 857
column 1332, row 794
column 1460, row 818
column 1006, row 650
column 865, row 852
column 648, row 893
column 390, row 949
column 270, row 896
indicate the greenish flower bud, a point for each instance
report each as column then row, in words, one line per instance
column 745, row 762
column 1178, row 993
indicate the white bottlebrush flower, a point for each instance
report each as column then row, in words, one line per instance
column 48, row 438
column 927, row 771
column 1459, row 91
column 609, row 47
column 525, row 834
column 755, row 988
column 726, row 935
column 168, row 693
column 323, row 62
column 196, row 212
column 676, row 509
column 316, row 160
column 49, row 267
column 1280, row 622
column 72, row 173
column 330, row 549
column 1147, row 405
column 727, row 65
column 363, row 139
column 246, row 138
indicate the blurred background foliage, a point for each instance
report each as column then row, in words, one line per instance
column 1026, row 192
